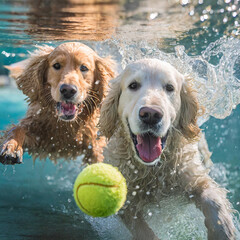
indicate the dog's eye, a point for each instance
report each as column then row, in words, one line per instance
column 169, row 87
column 57, row 66
column 83, row 68
column 134, row 86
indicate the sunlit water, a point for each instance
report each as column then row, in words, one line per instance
column 200, row 38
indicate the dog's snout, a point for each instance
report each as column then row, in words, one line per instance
column 68, row 90
column 150, row 116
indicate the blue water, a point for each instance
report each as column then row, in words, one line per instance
column 36, row 199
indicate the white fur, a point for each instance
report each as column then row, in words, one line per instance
column 180, row 168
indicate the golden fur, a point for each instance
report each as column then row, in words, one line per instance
column 42, row 132
column 180, row 167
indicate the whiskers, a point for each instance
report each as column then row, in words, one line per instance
column 92, row 101
column 46, row 96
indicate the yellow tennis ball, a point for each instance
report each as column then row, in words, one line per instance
column 100, row 190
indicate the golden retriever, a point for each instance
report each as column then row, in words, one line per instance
column 65, row 87
column 150, row 118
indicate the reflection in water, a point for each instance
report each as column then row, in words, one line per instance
column 171, row 22
column 51, row 20
column 154, row 20
column 96, row 20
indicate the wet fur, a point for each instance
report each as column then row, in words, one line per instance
column 180, row 169
column 41, row 132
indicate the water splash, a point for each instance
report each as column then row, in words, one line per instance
column 217, row 77
column 216, row 74
column 216, row 71
column 175, row 218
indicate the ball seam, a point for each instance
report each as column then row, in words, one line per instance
column 96, row 184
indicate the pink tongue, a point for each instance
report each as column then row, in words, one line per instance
column 149, row 147
column 68, row 108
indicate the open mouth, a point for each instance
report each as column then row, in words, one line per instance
column 67, row 111
column 148, row 146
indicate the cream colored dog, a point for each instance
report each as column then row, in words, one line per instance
column 150, row 118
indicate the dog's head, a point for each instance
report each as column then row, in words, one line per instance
column 71, row 77
column 150, row 98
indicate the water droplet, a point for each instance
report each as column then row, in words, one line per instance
column 132, row 166
column 225, row 19
column 184, row 2
column 153, row 15
column 39, row 111
column 234, row 14
column 191, row 13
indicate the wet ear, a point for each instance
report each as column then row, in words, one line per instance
column 189, row 112
column 109, row 118
column 16, row 69
column 104, row 72
column 31, row 80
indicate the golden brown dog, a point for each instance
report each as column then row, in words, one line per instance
column 65, row 87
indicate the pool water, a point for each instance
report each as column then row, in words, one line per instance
column 200, row 38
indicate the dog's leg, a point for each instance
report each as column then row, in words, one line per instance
column 93, row 148
column 138, row 226
column 11, row 150
column 217, row 212
column 92, row 155
column 209, row 198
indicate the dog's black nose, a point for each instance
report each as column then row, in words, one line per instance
column 150, row 116
column 68, row 90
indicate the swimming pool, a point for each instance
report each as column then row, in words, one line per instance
column 197, row 37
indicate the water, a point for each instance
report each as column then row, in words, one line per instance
column 200, row 38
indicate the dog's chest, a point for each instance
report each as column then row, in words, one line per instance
column 57, row 141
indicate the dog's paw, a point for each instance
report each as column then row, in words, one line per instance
column 218, row 218
column 221, row 229
column 11, row 153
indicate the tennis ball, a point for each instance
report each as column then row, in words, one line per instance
column 100, row 190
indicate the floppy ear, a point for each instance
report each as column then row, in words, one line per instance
column 109, row 118
column 33, row 76
column 189, row 112
column 17, row 68
column 104, row 72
